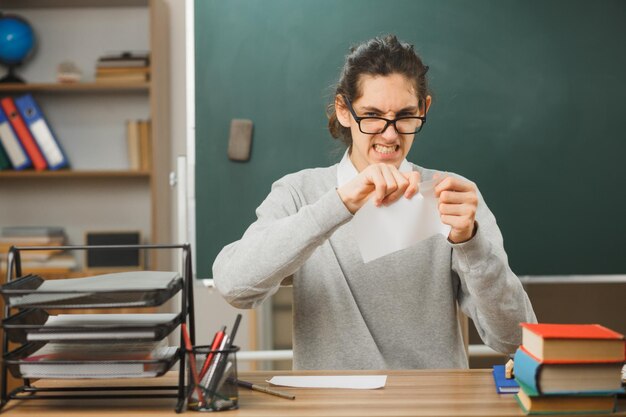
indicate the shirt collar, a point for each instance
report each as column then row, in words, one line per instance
column 346, row 169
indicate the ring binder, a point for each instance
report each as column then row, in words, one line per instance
column 47, row 342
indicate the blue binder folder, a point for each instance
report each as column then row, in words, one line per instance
column 41, row 131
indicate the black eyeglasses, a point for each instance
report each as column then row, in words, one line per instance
column 404, row 125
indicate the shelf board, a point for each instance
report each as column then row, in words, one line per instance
column 75, row 87
column 75, row 174
column 22, row 4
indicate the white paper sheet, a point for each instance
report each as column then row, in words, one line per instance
column 338, row 381
column 382, row 230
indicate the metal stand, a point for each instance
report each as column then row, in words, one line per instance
column 29, row 392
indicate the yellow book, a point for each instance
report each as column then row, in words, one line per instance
column 132, row 141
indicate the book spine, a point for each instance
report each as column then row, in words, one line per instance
column 12, row 145
column 145, row 145
column 5, row 163
column 526, row 371
column 132, row 140
column 23, row 133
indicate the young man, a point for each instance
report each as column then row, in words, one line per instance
column 398, row 311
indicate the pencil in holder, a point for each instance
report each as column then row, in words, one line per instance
column 212, row 376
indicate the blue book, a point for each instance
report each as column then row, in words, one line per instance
column 41, row 131
column 12, row 145
column 503, row 384
column 579, row 378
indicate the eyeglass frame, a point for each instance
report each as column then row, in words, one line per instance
column 387, row 121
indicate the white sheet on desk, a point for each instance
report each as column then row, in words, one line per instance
column 335, row 381
column 382, row 230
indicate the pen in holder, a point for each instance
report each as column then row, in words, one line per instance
column 212, row 376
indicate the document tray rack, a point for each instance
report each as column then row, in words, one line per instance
column 59, row 347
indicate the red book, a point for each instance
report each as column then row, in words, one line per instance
column 572, row 343
column 23, row 133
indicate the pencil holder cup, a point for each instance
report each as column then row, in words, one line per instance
column 212, row 379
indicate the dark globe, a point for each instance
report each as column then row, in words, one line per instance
column 17, row 41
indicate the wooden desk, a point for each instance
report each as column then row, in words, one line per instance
column 407, row 393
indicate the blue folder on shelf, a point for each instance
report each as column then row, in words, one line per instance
column 12, row 145
column 504, row 385
column 41, row 131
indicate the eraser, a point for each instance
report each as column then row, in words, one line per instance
column 240, row 139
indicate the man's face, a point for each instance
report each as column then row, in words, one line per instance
column 387, row 96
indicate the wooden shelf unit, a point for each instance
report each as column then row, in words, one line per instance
column 143, row 196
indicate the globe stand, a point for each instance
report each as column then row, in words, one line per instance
column 11, row 77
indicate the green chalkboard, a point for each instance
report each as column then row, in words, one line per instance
column 529, row 102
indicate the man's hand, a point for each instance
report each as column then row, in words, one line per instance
column 383, row 182
column 458, row 202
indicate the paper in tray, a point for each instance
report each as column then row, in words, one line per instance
column 26, row 362
column 122, row 289
column 32, row 325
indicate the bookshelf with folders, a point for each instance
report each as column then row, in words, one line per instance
column 94, row 346
column 111, row 128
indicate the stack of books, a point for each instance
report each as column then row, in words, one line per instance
column 139, row 143
column 569, row 368
column 26, row 138
column 48, row 260
column 123, row 67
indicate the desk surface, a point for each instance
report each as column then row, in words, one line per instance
column 407, row 393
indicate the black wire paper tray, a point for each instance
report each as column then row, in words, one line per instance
column 32, row 325
column 155, row 366
column 122, row 289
